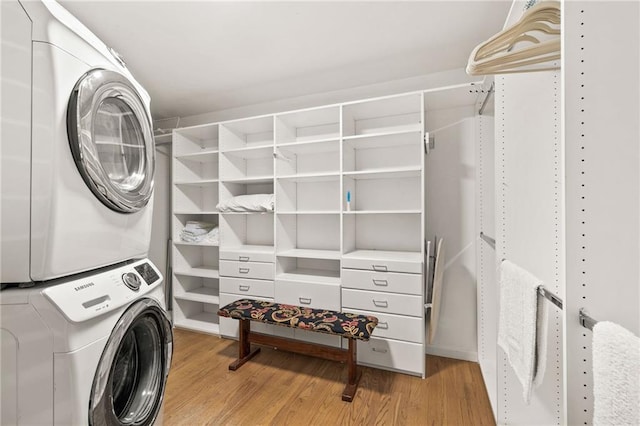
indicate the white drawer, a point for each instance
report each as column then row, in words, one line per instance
column 243, row 255
column 312, row 295
column 377, row 301
column 393, row 354
column 229, row 326
column 258, row 289
column 395, row 326
column 258, row 270
column 382, row 281
column 385, row 265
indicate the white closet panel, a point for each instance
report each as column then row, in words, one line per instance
column 529, row 226
column 601, row 68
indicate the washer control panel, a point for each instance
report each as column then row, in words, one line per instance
column 89, row 296
column 132, row 281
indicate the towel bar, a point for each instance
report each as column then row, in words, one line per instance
column 585, row 320
column 488, row 239
column 550, row 296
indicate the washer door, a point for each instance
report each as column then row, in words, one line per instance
column 111, row 140
column 130, row 380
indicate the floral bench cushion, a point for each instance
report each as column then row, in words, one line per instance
column 353, row 326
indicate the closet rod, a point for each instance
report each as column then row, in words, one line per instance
column 488, row 239
column 585, row 320
column 486, row 98
column 550, row 296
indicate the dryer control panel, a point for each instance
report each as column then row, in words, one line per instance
column 90, row 296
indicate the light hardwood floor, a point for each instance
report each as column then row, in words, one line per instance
column 283, row 388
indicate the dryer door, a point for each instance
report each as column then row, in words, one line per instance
column 131, row 376
column 111, row 139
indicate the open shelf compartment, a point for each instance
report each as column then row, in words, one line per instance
column 195, row 140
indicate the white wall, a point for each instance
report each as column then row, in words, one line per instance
column 160, row 228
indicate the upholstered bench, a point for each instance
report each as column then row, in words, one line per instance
column 349, row 326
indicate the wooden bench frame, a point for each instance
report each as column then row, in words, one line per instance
column 347, row 356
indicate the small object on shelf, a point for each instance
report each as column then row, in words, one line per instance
column 348, row 201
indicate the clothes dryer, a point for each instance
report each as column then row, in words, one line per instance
column 78, row 153
column 95, row 349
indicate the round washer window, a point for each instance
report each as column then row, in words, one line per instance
column 131, row 376
column 111, row 140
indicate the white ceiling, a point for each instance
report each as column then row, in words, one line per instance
column 196, row 57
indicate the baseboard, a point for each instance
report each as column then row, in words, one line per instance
column 452, row 353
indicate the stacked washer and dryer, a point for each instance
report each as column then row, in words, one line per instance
column 84, row 334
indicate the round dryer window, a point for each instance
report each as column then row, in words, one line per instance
column 111, row 140
column 130, row 380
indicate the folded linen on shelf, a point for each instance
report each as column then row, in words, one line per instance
column 247, row 203
column 200, row 232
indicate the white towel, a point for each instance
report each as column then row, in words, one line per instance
column 522, row 325
column 616, row 375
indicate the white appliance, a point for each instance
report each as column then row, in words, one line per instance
column 89, row 350
column 77, row 153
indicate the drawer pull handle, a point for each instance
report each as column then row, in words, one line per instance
column 379, row 268
column 243, row 258
column 380, row 282
column 243, row 270
column 382, row 351
column 380, row 303
column 244, row 287
column 383, row 325
column 305, row 300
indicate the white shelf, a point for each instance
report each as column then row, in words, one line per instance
column 202, row 212
column 251, row 249
column 417, row 129
column 384, row 212
column 186, row 243
column 386, row 173
column 406, row 256
column 197, row 182
column 251, row 152
column 249, row 179
column 207, row 155
column 311, row 146
column 311, row 212
column 311, row 254
column 312, row 177
column 201, row 294
column 321, row 276
column 199, row 271
column 204, row 322
column 245, row 213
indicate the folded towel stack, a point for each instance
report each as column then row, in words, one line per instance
column 200, row 232
column 616, row 375
column 247, row 203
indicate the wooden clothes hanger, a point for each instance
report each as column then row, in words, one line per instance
column 533, row 40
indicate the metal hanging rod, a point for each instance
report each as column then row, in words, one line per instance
column 486, row 98
column 489, row 240
column 585, row 320
column 550, row 296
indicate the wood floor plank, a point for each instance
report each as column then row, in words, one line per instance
column 282, row 388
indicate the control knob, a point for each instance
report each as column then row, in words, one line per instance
column 132, row 281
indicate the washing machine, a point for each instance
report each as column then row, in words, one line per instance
column 95, row 349
column 77, row 158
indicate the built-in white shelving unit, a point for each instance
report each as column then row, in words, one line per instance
column 195, row 195
column 315, row 249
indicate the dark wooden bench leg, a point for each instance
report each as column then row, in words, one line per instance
column 244, row 347
column 353, row 375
